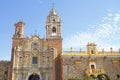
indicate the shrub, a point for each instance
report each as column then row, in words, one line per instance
column 74, row 79
column 89, row 78
column 101, row 76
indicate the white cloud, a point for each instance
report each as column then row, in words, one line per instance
column 117, row 17
column 105, row 34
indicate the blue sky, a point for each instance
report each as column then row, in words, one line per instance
column 83, row 21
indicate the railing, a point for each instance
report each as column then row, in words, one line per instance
column 94, row 72
column 84, row 53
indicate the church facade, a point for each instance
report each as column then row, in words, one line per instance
column 36, row 58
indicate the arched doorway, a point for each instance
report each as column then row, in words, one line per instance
column 34, row 77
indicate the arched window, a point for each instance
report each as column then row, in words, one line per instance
column 54, row 30
column 92, row 52
column 53, row 19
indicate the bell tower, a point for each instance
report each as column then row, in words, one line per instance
column 53, row 30
column 19, row 30
column 19, row 33
column 53, row 37
column 53, row 25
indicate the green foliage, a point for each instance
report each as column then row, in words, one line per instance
column 90, row 78
column 101, row 76
column 75, row 79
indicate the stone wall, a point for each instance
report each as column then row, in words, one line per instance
column 4, row 70
column 76, row 66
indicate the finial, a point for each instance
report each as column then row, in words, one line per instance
column 80, row 50
column 53, row 5
column 53, row 12
column 103, row 50
column 71, row 49
column 111, row 49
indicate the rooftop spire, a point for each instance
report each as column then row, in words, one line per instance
column 53, row 5
column 53, row 12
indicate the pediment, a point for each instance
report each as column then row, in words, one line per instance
column 35, row 37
